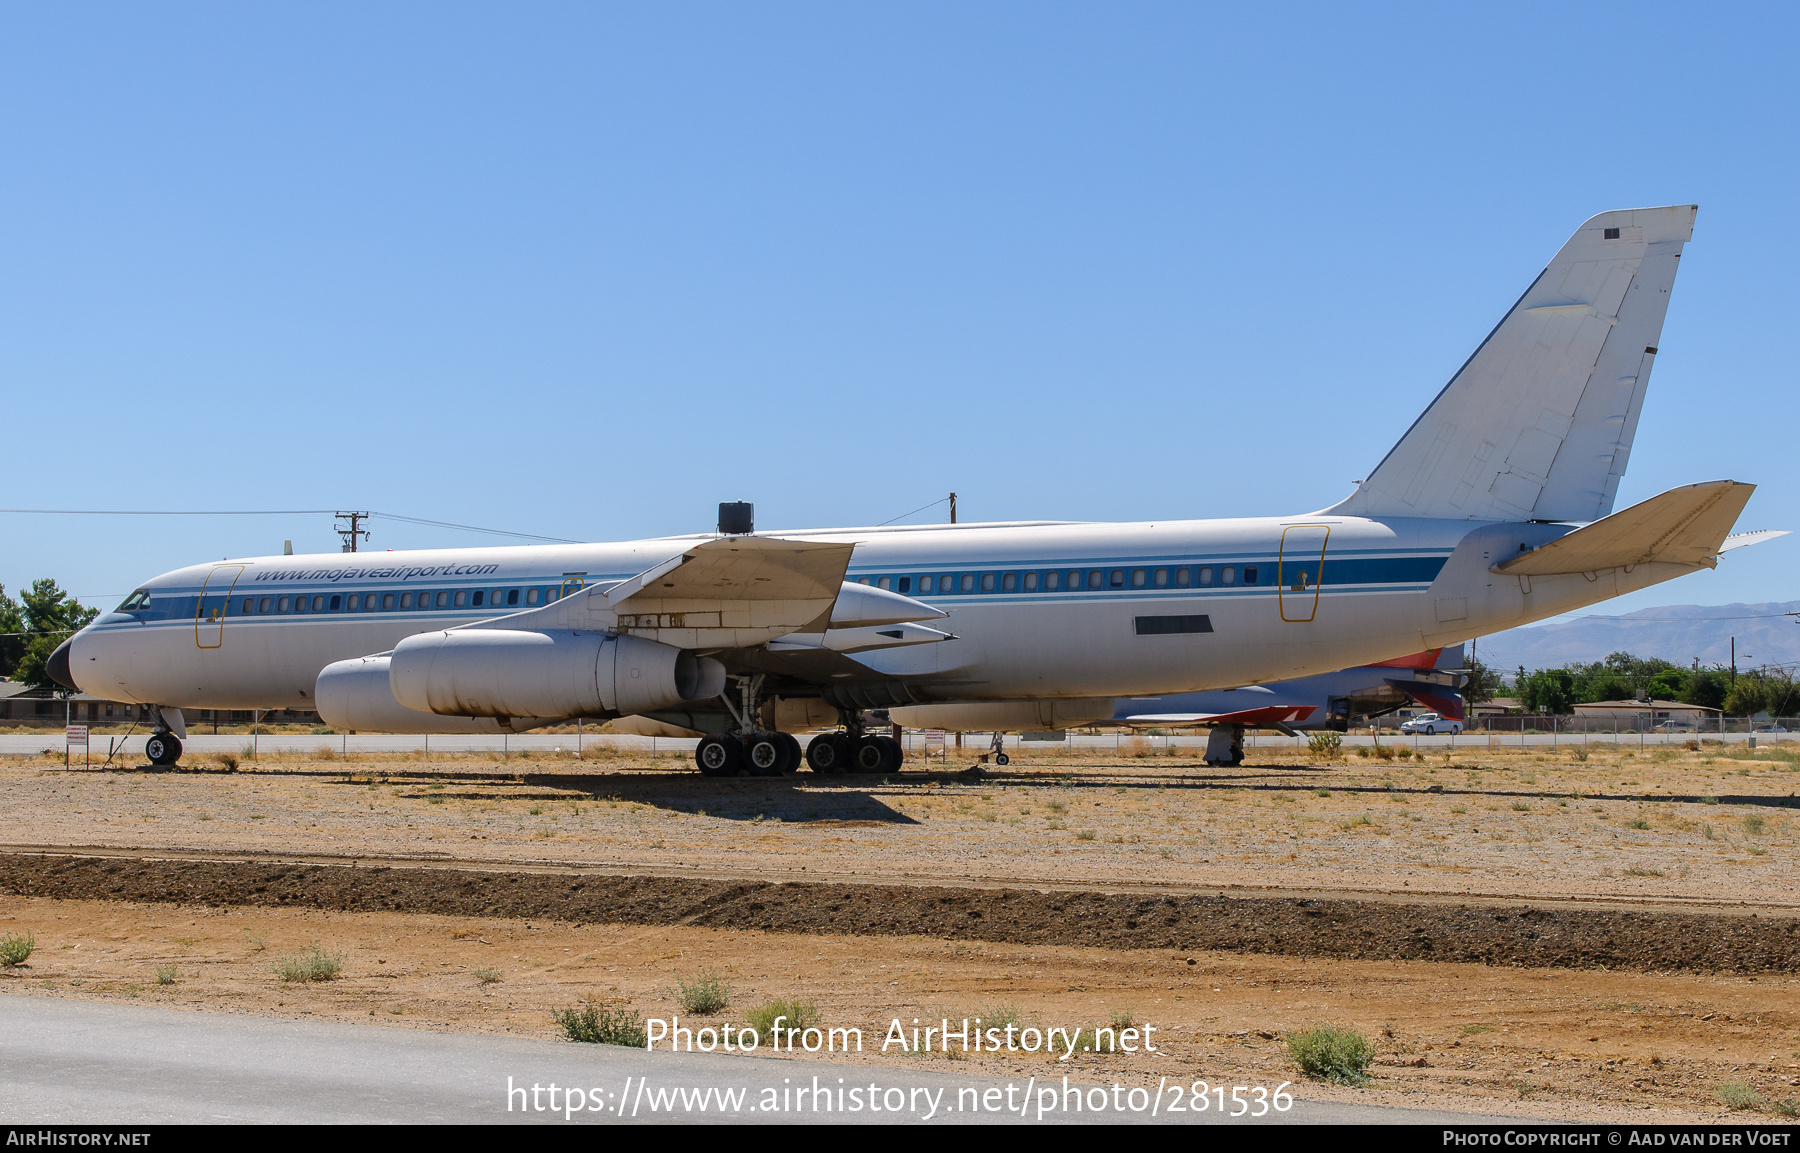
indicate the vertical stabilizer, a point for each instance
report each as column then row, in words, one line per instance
column 1538, row 423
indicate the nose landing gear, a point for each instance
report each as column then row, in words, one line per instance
column 163, row 749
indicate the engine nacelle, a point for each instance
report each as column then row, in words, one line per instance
column 1005, row 716
column 355, row 695
column 552, row 673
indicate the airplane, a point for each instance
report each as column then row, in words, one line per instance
column 1329, row 701
column 1467, row 526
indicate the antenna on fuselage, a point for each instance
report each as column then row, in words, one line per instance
column 736, row 518
column 355, row 530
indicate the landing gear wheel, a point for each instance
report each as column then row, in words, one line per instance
column 162, row 749
column 790, row 762
column 719, row 756
column 1002, row 759
column 869, row 757
column 765, row 755
column 896, row 754
column 828, row 754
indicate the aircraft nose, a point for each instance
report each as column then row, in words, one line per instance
column 58, row 667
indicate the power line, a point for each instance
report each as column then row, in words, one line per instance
column 917, row 511
column 285, row 512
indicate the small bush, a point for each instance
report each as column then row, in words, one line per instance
column 167, row 974
column 1580, row 753
column 1637, row 823
column 227, row 761
column 798, row 1014
column 485, row 976
column 1324, row 743
column 1709, row 800
column 317, row 965
column 592, row 1026
column 1321, row 792
column 1341, row 1056
column 15, row 947
column 1754, row 824
column 1000, row 1016
column 1738, row 1095
column 704, row 994
column 1085, row 835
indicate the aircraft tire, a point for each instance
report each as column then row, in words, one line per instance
column 765, row 755
column 826, row 754
column 719, row 756
column 162, row 749
column 792, row 761
column 1002, row 759
column 894, row 754
column 869, row 756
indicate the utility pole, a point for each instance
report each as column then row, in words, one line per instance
column 952, row 508
column 355, row 530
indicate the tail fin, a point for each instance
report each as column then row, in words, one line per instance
column 1538, row 423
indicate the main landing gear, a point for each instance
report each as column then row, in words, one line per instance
column 1225, row 746
column 749, row 750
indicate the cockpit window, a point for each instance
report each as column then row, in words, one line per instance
column 136, row 602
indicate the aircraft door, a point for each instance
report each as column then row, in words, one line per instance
column 215, row 601
column 571, row 586
column 1300, row 569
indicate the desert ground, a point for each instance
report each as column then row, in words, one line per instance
column 1600, row 934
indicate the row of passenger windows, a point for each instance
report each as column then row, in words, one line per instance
column 1204, row 576
column 401, row 602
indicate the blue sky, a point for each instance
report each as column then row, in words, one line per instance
column 588, row 270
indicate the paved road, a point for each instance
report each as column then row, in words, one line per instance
column 200, row 743
column 79, row 1062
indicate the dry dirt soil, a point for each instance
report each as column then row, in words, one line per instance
column 1611, row 937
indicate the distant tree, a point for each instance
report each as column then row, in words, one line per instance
column 50, row 617
column 1669, row 684
column 12, row 623
column 1707, row 687
column 1771, row 691
column 1547, row 691
column 1483, row 683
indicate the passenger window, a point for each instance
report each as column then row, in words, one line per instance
column 1096, row 578
column 1137, row 578
column 553, row 594
column 1052, row 580
column 1009, row 583
column 387, row 601
column 319, row 604
column 355, row 601
column 905, row 584
column 462, row 598
column 531, row 596
column 1205, row 575
column 443, row 600
column 512, row 596
column 1181, row 578
column 337, row 603
column 405, row 600
column 862, row 580
column 1075, row 580
column 1118, row 578
column 1228, row 575
column 987, row 582
column 884, row 582
column 1161, row 578
column 1031, row 582
column 968, row 582
column 299, row 604
column 476, row 599
column 262, row 606
column 924, row 584
column 1249, row 574
column 247, row 603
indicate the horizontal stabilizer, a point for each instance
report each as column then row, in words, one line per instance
column 1740, row 539
column 1685, row 526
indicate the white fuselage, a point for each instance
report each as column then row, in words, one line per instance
column 1039, row 611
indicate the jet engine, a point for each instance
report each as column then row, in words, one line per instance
column 552, row 673
column 355, row 696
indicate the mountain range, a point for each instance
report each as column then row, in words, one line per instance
column 1767, row 634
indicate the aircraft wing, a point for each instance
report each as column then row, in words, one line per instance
column 1269, row 715
column 1446, row 703
column 741, row 592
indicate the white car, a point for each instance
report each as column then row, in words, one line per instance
column 1431, row 725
